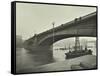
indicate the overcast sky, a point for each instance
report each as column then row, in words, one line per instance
column 36, row 18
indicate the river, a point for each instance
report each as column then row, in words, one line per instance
column 26, row 60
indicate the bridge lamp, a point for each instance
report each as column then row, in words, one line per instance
column 53, row 23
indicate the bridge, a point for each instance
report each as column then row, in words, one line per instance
column 41, row 44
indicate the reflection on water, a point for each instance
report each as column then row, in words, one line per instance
column 59, row 55
column 26, row 60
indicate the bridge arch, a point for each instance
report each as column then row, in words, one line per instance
column 48, row 41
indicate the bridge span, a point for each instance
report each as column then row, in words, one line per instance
column 40, row 44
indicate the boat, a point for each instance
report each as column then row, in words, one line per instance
column 78, row 51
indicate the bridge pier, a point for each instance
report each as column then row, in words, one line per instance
column 44, row 57
column 43, row 54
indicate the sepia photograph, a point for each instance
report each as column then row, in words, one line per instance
column 55, row 37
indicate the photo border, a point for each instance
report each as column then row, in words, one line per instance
column 13, row 36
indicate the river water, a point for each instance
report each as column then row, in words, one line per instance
column 26, row 60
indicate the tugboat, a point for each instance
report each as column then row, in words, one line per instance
column 78, row 51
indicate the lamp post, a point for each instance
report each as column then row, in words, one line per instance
column 53, row 23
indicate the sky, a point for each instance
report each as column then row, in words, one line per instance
column 35, row 18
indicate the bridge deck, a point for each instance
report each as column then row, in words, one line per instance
column 69, row 23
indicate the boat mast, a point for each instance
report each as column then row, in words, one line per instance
column 77, row 43
column 69, row 48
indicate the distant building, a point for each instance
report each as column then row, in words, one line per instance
column 19, row 41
